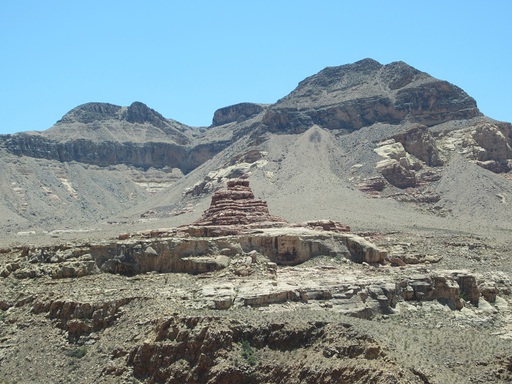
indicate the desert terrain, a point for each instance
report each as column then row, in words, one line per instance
column 359, row 230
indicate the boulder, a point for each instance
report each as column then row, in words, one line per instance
column 420, row 143
column 397, row 167
column 396, row 174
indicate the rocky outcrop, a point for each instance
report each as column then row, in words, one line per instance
column 398, row 168
column 397, row 174
column 80, row 319
column 494, row 151
column 186, row 350
column 106, row 153
column 239, row 166
column 351, row 115
column 420, row 143
column 236, row 206
column 140, row 113
column 327, row 225
column 91, row 112
column 372, row 185
column 360, row 293
column 235, row 113
column 357, row 95
column 435, row 102
column 170, row 252
column 451, row 289
column 199, row 255
column 137, row 112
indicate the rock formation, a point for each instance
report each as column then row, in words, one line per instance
column 430, row 121
column 235, row 113
column 241, row 295
column 104, row 134
column 357, row 95
column 236, row 206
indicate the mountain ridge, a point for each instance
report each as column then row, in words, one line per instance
column 395, row 131
column 364, row 236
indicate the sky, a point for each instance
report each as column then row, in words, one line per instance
column 185, row 59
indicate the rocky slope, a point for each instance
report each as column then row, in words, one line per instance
column 357, row 95
column 169, row 306
column 103, row 279
column 105, row 134
column 387, row 130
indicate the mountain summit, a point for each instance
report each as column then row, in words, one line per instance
column 391, row 194
column 137, row 112
column 108, row 122
column 357, row 95
column 342, row 135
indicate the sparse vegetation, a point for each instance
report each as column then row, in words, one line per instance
column 77, row 352
column 254, row 320
column 248, row 352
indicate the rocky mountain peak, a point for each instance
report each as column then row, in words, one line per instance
column 140, row 113
column 348, row 74
column 366, row 92
column 399, row 74
column 91, row 112
column 137, row 112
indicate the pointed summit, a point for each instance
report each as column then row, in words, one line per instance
column 91, row 112
column 140, row 113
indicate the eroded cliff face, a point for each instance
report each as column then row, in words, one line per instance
column 104, row 134
column 106, row 153
column 357, row 95
column 252, row 353
column 249, row 319
column 237, row 112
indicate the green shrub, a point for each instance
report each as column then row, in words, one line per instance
column 248, row 352
column 77, row 353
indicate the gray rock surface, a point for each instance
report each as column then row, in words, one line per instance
column 237, row 112
column 357, row 95
column 92, row 291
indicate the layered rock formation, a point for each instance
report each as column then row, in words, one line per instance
column 342, row 358
column 243, row 296
column 429, row 121
column 237, row 112
column 344, row 98
column 361, row 291
column 154, row 154
column 104, row 134
column 357, row 95
column 108, row 122
column 236, row 206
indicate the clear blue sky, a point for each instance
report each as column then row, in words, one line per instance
column 185, row 59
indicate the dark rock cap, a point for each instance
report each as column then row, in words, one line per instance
column 233, row 113
column 137, row 112
column 91, row 112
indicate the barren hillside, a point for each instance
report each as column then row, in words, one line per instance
column 373, row 245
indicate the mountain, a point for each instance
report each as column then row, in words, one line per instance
column 376, row 144
column 364, row 236
column 358, row 95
